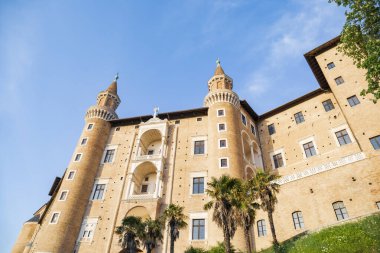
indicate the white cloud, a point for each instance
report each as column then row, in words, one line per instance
column 294, row 33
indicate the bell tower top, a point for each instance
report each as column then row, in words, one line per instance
column 220, row 81
column 109, row 97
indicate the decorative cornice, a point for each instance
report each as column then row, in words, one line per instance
column 223, row 77
column 321, row 168
column 101, row 112
column 225, row 96
column 110, row 95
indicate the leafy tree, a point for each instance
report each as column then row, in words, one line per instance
column 221, row 191
column 130, row 231
column 151, row 233
column 246, row 204
column 360, row 39
column 175, row 219
column 267, row 190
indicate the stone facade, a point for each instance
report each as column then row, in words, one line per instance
column 137, row 166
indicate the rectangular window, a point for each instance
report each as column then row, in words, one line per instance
column 271, row 129
column 223, row 162
column 340, row 210
column 150, row 151
column 277, row 160
column 90, row 126
column 199, row 147
column 63, row 195
column 253, row 129
column 378, row 204
column 78, row 157
column 108, row 158
column 177, row 122
column 71, row 175
column 144, row 188
column 198, row 229
column 221, row 127
column 343, row 137
column 220, row 113
column 309, row 149
column 54, row 218
column 98, row 191
column 330, row 65
column 261, row 228
column 375, row 141
column 299, row 117
column 339, row 80
column 353, row 100
column 84, row 141
column 298, row 220
column 328, row 105
column 87, row 229
column 198, row 185
column 199, row 119
column 243, row 119
column 222, row 143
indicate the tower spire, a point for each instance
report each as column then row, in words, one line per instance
column 219, row 70
column 113, row 86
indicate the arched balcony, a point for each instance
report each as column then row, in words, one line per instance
column 144, row 182
column 150, row 145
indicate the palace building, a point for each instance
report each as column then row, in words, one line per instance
column 325, row 146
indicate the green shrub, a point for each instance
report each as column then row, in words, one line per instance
column 191, row 249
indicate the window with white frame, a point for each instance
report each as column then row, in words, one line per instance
column 261, row 228
column 54, row 218
column 298, row 220
column 340, row 210
column 222, row 143
column 198, row 185
column 99, row 189
column 220, row 113
column 309, row 147
column 87, row 229
column 63, row 195
column 223, row 162
column 71, row 175
column 222, row 127
column 78, row 157
column 278, row 161
column 199, row 147
column 343, row 137
column 84, row 141
column 198, row 227
column 90, row 126
column 278, row 158
column 243, row 119
column 109, row 156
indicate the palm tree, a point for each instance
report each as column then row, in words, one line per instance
column 245, row 200
column 221, row 191
column 130, row 231
column 151, row 234
column 175, row 219
column 267, row 189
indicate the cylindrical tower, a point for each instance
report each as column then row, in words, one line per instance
column 224, row 140
column 225, row 146
column 61, row 225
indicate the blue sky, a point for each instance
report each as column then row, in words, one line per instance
column 57, row 55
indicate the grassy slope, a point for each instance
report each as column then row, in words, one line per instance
column 361, row 236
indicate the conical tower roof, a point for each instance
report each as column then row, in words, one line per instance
column 219, row 70
column 112, row 88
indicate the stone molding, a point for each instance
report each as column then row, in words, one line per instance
column 226, row 96
column 101, row 112
column 321, row 168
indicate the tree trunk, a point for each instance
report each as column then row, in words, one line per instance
column 272, row 229
column 172, row 238
column 226, row 233
column 148, row 250
column 246, row 235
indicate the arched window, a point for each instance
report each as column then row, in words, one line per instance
column 261, row 228
column 340, row 210
column 298, row 220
